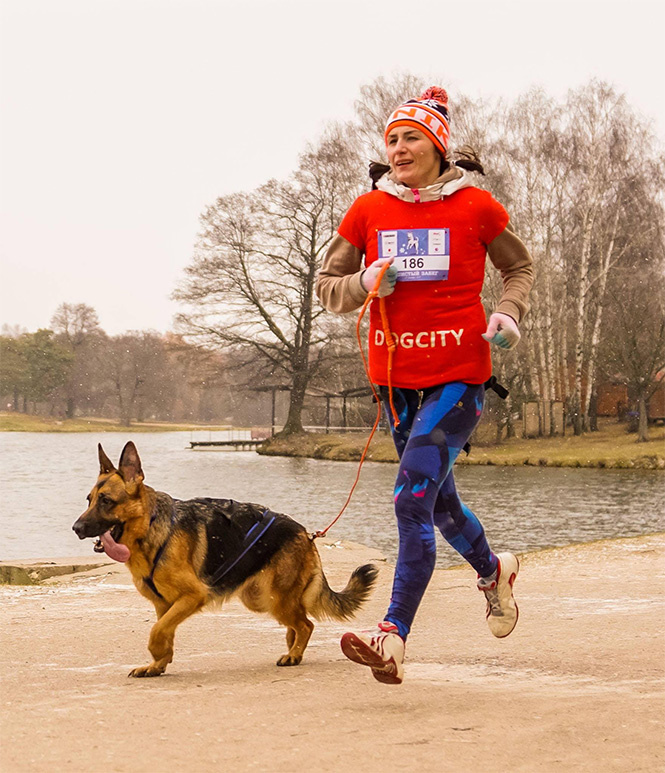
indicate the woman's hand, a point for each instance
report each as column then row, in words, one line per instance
column 502, row 331
column 371, row 274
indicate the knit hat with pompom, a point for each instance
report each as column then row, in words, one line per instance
column 428, row 114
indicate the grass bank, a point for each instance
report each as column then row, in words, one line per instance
column 610, row 447
column 23, row 422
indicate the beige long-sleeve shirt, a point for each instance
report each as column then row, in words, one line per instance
column 340, row 290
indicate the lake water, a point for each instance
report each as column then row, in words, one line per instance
column 45, row 478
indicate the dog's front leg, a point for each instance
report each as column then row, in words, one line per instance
column 163, row 633
column 161, row 608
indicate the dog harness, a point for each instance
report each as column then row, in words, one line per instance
column 251, row 538
column 253, row 535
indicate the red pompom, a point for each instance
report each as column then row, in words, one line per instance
column 436, row 93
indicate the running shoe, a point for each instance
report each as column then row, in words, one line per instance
column 502, row 611
column 382, row 649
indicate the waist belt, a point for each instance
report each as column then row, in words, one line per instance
column 491, row 383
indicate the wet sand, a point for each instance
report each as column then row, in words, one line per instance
column 578, row 686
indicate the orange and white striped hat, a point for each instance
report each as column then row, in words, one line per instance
column 428, row 114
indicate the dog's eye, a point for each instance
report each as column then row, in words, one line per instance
column 106, row 501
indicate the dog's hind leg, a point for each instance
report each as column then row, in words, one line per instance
column 163, row 634
column 298, row 632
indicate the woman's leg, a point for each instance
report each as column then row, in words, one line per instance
column 430, row 442
column 462, row 529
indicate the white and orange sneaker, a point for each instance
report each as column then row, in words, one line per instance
column 502, row 611
column 382, row 649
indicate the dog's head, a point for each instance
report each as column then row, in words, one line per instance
column 115, row 500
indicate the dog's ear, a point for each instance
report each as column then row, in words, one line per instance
column 129, row 466
column 105, row 464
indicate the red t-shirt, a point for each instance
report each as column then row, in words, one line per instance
column 435, row 313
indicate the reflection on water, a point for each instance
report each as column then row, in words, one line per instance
column 46, row 477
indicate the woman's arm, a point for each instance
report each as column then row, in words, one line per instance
column 338, row 285
column 509, row 255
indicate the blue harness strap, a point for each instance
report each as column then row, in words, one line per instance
column 251, row 538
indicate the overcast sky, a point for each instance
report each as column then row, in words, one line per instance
column 122, row 119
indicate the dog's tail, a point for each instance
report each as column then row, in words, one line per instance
column 341, row 606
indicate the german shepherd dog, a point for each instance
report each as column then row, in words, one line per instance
column 186, row 554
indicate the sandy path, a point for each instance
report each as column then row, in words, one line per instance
column 579, row 686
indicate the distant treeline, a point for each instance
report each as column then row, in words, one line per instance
column 76, row 369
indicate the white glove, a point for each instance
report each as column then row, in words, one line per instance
column 502, row 331
column 371, row 274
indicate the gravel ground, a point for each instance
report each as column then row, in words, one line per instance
column 579, row 685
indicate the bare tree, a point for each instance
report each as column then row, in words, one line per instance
column 74, row 321
column 597, row 134
column 632, row 348
column 525, row 166
column 637, row 341
column 250, row 287
column 376, row 102
column 574, row 177
column 138, row 368
column 77, row 328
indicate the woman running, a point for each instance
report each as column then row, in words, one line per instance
column 425, row 218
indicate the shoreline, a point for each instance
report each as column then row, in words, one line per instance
column 608, row 449
column 26, row 422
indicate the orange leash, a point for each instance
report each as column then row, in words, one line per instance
column 392, row 346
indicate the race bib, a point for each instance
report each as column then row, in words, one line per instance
column 421, row 254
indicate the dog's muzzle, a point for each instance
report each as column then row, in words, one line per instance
column 89, row 526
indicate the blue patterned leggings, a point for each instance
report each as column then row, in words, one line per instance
column 434, row 426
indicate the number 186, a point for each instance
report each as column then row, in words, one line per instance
column 413, row 263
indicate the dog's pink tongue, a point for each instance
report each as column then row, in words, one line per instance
column 114, row 549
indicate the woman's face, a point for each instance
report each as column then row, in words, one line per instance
column 414, row 159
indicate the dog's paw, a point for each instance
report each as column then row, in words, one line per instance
column 289, row 660
column 145, row 671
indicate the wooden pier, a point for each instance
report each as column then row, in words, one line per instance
column 229, row 445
